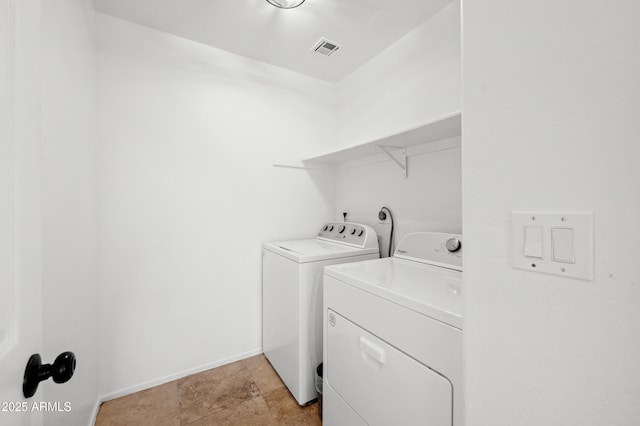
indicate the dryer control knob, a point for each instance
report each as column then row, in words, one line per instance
column 353, row 231
column 342, row 228
column 453, row 244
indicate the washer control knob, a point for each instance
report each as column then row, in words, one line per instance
column 325, row 227
column 360, row 233
column 353, row 231
column 342, row 228
column 453, row 244
column 331, row 228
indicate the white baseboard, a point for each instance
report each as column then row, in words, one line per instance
column 94, row 415
column 155, row 382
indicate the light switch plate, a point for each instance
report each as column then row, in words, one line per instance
column 581, row 225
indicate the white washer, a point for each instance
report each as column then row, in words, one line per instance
column 393, row 336
column 292, row 298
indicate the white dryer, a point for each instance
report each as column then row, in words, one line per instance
column 393, row 336
column 292, row 298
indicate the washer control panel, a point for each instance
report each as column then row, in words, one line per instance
column 345, row 232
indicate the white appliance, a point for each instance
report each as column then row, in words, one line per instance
column 292, row 298
column 393, row 336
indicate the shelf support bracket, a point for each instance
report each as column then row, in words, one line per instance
column 401, row 162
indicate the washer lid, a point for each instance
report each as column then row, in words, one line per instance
column 314, row 250
column 430, row 290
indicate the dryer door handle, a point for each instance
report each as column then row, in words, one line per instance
column 372, row 351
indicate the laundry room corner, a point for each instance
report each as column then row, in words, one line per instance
column 319, row 212
column 414, row 81
column 188, row 193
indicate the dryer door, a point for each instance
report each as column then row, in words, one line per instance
column 381, row 384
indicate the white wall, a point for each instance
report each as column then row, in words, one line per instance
column 188, row 193
column 415, row 80
column 429, row 199
column 412, row 82
column 68, row 144
column 551, row 105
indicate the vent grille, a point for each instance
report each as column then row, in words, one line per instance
column 325, row 47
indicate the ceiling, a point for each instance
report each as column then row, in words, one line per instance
column 258, row 30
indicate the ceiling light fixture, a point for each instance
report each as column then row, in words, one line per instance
column 286, row 4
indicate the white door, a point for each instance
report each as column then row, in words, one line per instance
column 20, row 232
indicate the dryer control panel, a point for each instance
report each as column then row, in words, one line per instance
column 353, row 234
column 433, row 248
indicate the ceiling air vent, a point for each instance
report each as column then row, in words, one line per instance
column 325, row 47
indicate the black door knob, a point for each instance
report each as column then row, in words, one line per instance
column 61, row 370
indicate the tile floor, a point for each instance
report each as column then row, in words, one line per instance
column 247, row 392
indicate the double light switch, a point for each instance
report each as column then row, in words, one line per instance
column 554, row 243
